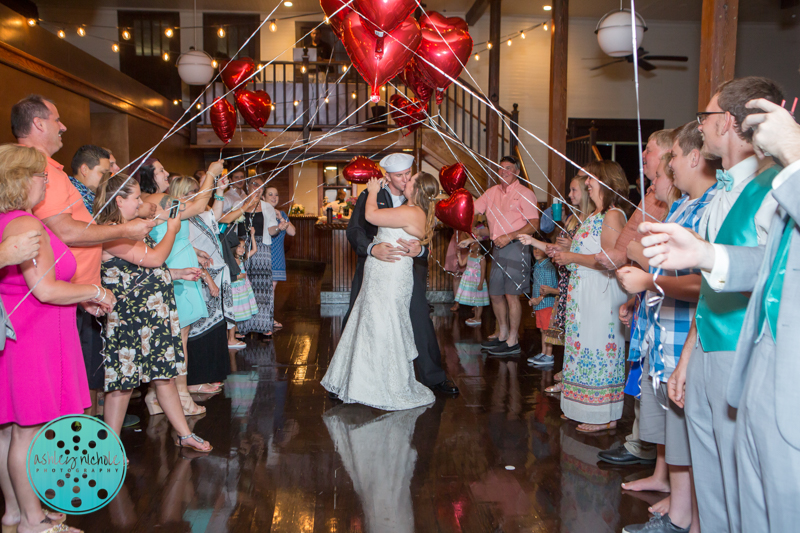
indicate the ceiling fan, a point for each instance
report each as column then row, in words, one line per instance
column 644, row 59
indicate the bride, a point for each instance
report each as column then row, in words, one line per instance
column 373, row 363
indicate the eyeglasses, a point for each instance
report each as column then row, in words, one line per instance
column 42, row 175
column 701, row 116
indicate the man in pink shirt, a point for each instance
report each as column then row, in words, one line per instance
column 511, row 210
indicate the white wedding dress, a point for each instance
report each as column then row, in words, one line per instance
column 374, row 361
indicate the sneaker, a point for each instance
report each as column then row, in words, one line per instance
column 130, row 421
column 492, row 343
column 544, row 360
column 532, row 360
column 657, row 524
column 505, row 349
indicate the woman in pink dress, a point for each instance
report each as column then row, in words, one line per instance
column 42, row 370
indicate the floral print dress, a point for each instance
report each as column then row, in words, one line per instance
column 143, row 332
column 555, row 333
column 594, row 339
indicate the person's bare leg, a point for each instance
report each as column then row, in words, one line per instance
column 116, row 403
column 30, row 507
column 658, row 481
column 12, row 513
column 500, row 308
column 180, row 381
column 477, row 312
column 170, row 402
column 544, row 344
column 680, row 497
column 514, row 318
column 548, row 348
column 92, row 409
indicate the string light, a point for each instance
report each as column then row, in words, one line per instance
column 199, row 106
column 547, row 8
column 288, row 4
column 126, row 35
column 165, row 57
column 303, row 69
column 477, row 57
column 169, row 33
column 327, row 100
column 221, row 33
column 327, row 21
column 61, row 34
column 522, row 34
column 115, row 48
column 176, row 102
column 344, row 68
column 273, row 25
column 489, row 45
column 272, row 107
column 508, row 42
column 383, row 88
column 354, row 95
column 81, row 31
column 214, row 63
column 31, row 22
column 545, row 27
column 296, row 103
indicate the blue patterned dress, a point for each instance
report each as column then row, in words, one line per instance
column 594, row 339
column 278, row 256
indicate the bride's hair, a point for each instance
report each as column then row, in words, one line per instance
column 426, row 189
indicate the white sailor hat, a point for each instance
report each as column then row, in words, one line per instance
column 397, row 162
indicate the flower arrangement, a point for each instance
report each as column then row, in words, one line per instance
column 297, row 209
column 351, row 202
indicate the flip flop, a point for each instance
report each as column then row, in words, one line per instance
column 597, row 428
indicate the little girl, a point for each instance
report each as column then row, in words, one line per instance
column 472, row 290
column 244, row 301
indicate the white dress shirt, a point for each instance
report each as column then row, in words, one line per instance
column 719, row 273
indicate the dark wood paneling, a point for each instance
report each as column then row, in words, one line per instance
column 717, row 47
column 306, row 245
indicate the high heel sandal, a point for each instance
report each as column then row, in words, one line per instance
column 205, row 388
column 151, row 401
column 193, row 409
column 180, row 443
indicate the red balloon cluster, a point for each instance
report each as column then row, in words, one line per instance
column 457, row 211
column 453, row 177
column 384, row 40
column 407, row 113
column 254, row 106
column 361, row 169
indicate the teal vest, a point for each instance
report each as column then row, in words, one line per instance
column 720, row 315
column 771, row 303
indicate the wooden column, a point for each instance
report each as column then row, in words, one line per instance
column 557, row 133
column 492, row 120
column 717, row 47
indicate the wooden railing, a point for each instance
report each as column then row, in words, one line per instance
column 582, row 150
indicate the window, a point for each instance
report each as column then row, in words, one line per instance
column 237, row 28
column 142, row 57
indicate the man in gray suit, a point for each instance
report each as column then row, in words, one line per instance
column 13, row 251
column 766, row 363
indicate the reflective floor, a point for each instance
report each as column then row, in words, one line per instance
column 497, row 458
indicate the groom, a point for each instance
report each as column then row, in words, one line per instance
column 361, row 233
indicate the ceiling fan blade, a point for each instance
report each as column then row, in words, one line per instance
column 646, row 66
column 607, row 64
column 665, row 58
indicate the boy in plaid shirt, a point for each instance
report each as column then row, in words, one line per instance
column 544, row 284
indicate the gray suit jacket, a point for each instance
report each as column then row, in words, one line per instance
column 6, row 329
column 749, row 270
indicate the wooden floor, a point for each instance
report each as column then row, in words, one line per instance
column 498, row 458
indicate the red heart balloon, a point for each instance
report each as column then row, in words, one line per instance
column 255, row 107
column 453, row 177
column 361, row 169
column 457, row 211
column 335, row 11
column 413, row 79
column 434, row 21
column 443, row 54
column 236, row 71
column 385, row 15
column 223, row 119
column 398, row 48
column 407, row 114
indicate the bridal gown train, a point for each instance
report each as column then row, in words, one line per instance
column 374, row 361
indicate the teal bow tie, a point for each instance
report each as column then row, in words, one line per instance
column 724, row 179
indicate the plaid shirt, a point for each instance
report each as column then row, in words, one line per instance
column 675, row 316
column 544, row 273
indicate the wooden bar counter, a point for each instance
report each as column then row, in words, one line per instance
column 327, row 243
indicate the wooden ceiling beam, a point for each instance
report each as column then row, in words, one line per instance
column 476, row 11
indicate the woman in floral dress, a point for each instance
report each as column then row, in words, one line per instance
column 594, row 340
column 142, row 333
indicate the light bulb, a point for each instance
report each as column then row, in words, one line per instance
column 296, row 103
column 327, row 100
column 199, row 106
column 31, row 22
column 344, row 68
column 169, row 33
column 327, row 21
column 81, row 31
column 165, row 57
column 303, row 69
column 214, row 63
column 489, row 45
column 383, row 88
column 273, row 25
column 522, row 34
column 126, row 35
column 545, row 27
column 508, row 42
column 354, row 96
column 547, row 8
column 221, row 33
column 260, row 67
column 176, row 102
column 272, row 107
column 288, row 4
column 61, row 34
column 115, row 48
column 477, row 57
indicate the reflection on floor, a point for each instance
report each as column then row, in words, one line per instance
column 496, row 459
